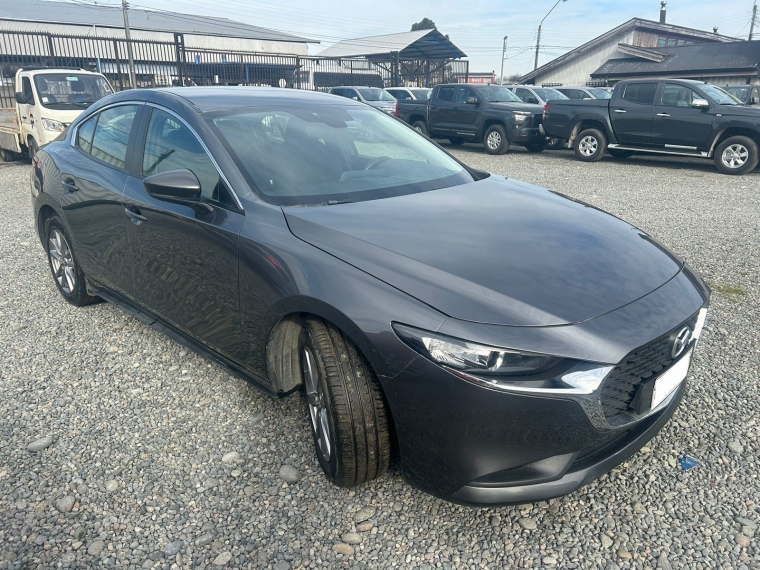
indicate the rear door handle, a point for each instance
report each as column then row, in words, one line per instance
column 620, row 111
column 663, row 115
column 68, row 184
column 135, row 215
column 433, row 106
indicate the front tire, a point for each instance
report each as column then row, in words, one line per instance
column 590, row 145
column 495, row 140
column 67, row 274
column 347, row 411
column 456, row 141
column 33, row 148
column 736, row 155
column 420, row 127
column 537, row 146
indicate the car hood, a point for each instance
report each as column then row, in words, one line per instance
column 509, row 106
column 741, row 110
column 382, row 104
column 495, row 251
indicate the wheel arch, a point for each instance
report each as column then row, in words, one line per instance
column 488, row 123
column 43, row 215
column 733, row 132
column 588, row 123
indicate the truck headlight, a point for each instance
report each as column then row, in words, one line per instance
column 522, row 116
column 52, row 125
column 504, row 369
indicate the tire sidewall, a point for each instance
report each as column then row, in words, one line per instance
column 601, row 147
column 504, row 142
column 78, row 295
column 420, row 127
column 331, row 467
column 752, row 160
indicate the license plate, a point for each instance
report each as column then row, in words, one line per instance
column 670, row 380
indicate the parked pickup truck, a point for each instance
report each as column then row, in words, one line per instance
column 670, row 116
column 47, row 101
column 489, row 114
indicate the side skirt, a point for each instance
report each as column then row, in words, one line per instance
column 177, row 335
column 670, row 150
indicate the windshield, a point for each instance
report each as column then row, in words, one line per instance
column 376, row 95
column 70, row 90
column 718, row 96
column 422, row 94
column 600, row 93
column 498, row 95
column 741, row 93
column 310, row 155
column 547, row 94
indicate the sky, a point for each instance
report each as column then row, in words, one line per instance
column 477, row 27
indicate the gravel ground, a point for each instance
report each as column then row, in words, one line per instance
column 120, row 448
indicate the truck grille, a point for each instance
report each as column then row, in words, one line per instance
column 647, row 361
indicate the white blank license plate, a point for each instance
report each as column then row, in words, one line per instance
column 670, row 380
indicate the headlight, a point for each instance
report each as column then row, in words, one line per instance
column 522, row 116
column 505, row 369
column 51, row 125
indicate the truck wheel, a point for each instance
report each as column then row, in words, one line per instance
column 347, row 411
column 495, row 140
column 614, row 153
column 457, row 141
column 736, row 155
column 590, row 145
column 5, row 156
column 420, row 127
column 537, row 146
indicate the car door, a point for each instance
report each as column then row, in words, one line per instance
column 93, row 173
column 26, row 109
column 184, row 257
column 464, row 116
column 440, row 110
column 677, row 124
column 632, row 113
column 526, row 95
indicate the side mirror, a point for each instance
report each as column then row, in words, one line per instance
column 471, row 101
column 180, row 186
column 20, row 97
column 700, row 104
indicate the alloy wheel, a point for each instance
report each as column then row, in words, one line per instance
column 493, row 140
column 735, row 156
column 62, row 261
column 588, row 146
column 318, row 411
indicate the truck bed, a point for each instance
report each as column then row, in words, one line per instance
column 565, row 114
column 9, row 129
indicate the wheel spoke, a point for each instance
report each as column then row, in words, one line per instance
column 69, row 273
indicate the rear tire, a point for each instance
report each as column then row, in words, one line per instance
column 420, row 127
column 347, row 410
column 590, row 145
column 495, row 140
column 736, row 155
column 537, row 146
column 67, row 274
column 456, row 141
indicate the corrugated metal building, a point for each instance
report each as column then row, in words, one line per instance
column 576, row 66
column 200, row 32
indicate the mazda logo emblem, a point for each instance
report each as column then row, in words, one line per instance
column 681, row 342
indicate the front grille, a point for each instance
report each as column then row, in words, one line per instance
column 645, row 362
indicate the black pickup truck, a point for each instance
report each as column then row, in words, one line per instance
column 489, row 114
column 666, row 116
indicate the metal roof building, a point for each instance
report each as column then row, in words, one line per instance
column 735, row 62
column 200, row 32
column 417, row 45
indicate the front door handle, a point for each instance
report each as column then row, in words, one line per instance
column 620, row 111
column 135, row 215
column 663, row 115
column 433, row 107
column 69, row 185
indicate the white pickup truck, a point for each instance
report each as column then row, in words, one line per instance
column 47, row 101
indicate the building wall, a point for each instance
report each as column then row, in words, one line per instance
column 192, row 41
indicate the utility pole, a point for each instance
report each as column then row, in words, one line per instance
column 503, row 55
column 124, row 10
column 754, row 19
column 538, row 37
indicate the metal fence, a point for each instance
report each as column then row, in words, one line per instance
column 164, row 64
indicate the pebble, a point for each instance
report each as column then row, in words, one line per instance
column 281, row 565
column 549, row 560
column 527, row 523
column 343, row 548
column 173, row 548
column 735, row 447
column 95, row 548
column 363, row 514
column 231, row 457
column 364, row 526
column 624, row 554
column 205, row 539
column 663, row 563
column 606, row 541
column 352, row 538
column 40, row 444
column 112, row 485
column 289, row 474
column 65, row 504
column 742, row 540
column 222, row 558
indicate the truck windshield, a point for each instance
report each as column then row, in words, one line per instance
column 70, row 90
column 422, row 94
column 498, row 95
column 343, row 153
column 718, row 96
column 600, row 93
column 741, row 93
column 547, row 93
column 376, row 95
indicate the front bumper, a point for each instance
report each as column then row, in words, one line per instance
column 521, row 135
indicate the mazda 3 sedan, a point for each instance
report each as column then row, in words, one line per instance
column 509, row 343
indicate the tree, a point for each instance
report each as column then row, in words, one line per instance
column 424, row 24
column 515, row 77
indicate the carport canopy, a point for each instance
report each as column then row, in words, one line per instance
column 417, row 45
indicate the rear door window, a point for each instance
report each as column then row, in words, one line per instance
column 84, row 134
column 641, row 93
column 446, row 94
column 526, row 96
column 111, row 137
